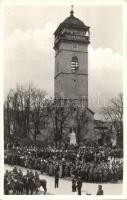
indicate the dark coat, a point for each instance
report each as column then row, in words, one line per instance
column 79, row 184
column 57, row 175
column 100, row 192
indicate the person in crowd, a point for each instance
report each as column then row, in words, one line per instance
column 56, row 179
column 79, row 185
column 15, row 170
column 100, row 190
column 93, row 164
column 73, row 184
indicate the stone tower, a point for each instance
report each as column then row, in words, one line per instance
column 72, row 38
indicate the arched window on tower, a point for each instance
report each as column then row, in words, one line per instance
column 74, row 64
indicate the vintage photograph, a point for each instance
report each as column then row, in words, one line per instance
column 63, row 99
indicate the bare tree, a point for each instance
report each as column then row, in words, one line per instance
column 59, row 110
column 114, row 114
column 24, row 96
column 39, row 112
column 81, row 119
column 8, row 115
column 24, row 106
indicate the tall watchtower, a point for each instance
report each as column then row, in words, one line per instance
column 72, row 38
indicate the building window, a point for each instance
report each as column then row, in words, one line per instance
column 74, row 108
column 74, row 64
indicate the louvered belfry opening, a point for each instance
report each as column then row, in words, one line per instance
column 74, row 64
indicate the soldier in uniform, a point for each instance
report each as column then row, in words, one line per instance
column 79, row 185
column 37, row 181
column 73, row 184
column 6, row 182
column 26, row 181
column 36, row 175
column 100, row 190
column 56, row 179
column 31, row 181
column 20, row 174
column 15, row 170
column 31, row 174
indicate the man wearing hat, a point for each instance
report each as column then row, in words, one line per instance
column 56, row 179
column 73, row 183
column 100, row 190
column 79, row 185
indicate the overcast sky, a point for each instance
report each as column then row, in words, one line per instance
column 29, row 54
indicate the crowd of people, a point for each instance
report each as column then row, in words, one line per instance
column 20, row 183
column 92, row 164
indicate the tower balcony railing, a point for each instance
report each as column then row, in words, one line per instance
column 73, row 37
column 77, row 37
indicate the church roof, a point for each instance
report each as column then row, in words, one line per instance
column 72, row 22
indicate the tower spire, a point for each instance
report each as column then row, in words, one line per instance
column 72, row 11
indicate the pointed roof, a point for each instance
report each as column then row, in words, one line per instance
column 72, row 22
